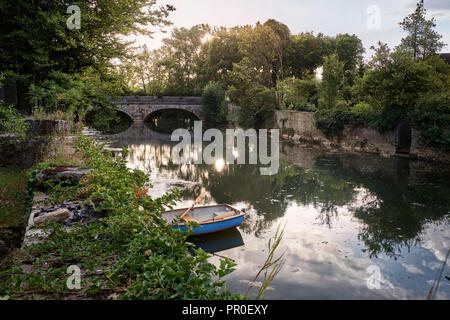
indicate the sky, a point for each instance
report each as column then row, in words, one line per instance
column 370, row 20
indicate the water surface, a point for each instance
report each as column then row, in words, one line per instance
column 343, row 214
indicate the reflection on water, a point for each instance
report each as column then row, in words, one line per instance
column 218, row 242
column 168, row 120
column 343, row 214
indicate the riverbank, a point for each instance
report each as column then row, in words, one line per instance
column 404, row 141
column 129, row 253
column 13, row 188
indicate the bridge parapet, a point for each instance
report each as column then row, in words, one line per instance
column 159, row 100
column 140, row 107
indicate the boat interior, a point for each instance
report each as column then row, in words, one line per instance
column 203, row 214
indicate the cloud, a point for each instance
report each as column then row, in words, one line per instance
column 412, row 269
column 430, row 4
column 439, row 9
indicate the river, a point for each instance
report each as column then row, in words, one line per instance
column 356, row 226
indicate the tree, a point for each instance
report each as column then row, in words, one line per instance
column 349, row 50
column 35, row 39
column 144, row 71
column 298, row 94
column 282, row 36
column 422, row 41
column 331, row 94
column 305, row 54
column 179, row 57
column 396, row 80
column 258, row 47
column 396, row 86
column 218, row 55
column 256, row 102
column 213, row 102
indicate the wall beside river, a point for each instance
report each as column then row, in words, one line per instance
column 299, row 127
column 30, row 150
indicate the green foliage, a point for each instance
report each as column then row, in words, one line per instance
column 363, row 108
column 172, row 69
column 396, row 86
column 297, row 94
column 11, row 121
column 349, row 50
column 140, row 256
column 218, row 55
column 235, row 116
column 13, row 182
column 36, row 40
column 385, row 120
column 256, row 102
column 304, row 54
column 260, row 48
column 331, row 89
column 432, row 118
column 332, row 122
column 105, row 119
column 213, row 102
column 421, row 41
column 395, row 80
column 71, row 97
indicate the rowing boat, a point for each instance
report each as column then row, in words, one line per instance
column 211, row 219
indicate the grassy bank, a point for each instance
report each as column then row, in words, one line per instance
column 13, row 184
column 13, row 189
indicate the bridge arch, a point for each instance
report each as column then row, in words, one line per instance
column 140, row 108
column 124, row 111
column 187, row 110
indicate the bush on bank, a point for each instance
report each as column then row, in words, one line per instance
column 11, row 121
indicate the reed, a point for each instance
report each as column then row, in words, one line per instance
column 272, row 266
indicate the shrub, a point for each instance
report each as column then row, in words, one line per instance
column 11, row 121
column 387, row 119
column 297, row 94
column 213, row 102
column 432, row 118
column 332, row 122
column 307, row 107
column 71, row 97
column 333, row 81
column 257, row 106
column 363, row 108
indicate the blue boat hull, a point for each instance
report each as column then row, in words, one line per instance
column 214, row 227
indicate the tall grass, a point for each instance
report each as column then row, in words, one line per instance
column 272, row 266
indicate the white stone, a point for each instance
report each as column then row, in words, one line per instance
column 56, row 216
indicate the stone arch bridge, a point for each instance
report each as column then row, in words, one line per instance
column 140, row 108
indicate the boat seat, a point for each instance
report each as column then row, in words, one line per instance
column 220, row 216
column 189, row 219
column 223, row 215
